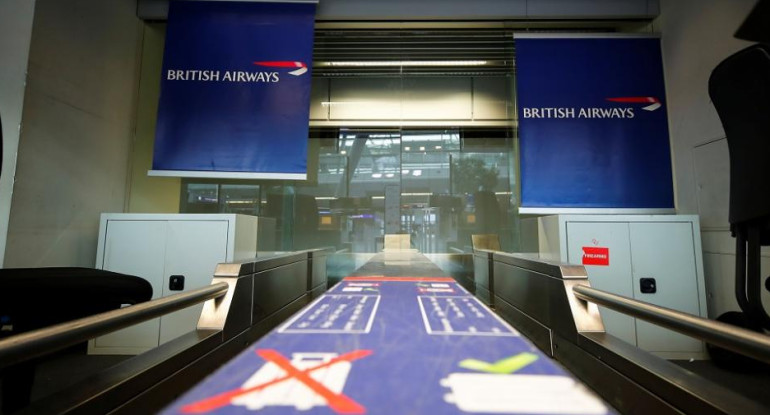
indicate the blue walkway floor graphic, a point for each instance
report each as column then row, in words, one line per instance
column 335, row 313
column 387, row 345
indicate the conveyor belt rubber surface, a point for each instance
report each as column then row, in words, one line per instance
column 397, row 337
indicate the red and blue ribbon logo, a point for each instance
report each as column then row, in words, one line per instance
column 654, row 102
column 302, row 68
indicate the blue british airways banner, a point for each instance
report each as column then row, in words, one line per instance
column 235, row 90
column 592, row 124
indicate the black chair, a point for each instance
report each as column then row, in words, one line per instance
column 740, row 90
column 33, row 298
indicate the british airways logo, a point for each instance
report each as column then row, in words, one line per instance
column 301, row 67
column 651, row 104
column 293, row 68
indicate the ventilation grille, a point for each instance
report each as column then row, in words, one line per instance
column 413, row 52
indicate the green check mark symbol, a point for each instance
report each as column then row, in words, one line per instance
column 504, row 366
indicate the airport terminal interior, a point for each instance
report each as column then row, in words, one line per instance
column 436, row 206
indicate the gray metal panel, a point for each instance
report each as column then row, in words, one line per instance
column 482, row 269
column 420, row 10
column 317, row 292
column 618, row 390
column 277, row 287
column 576, row 9
column 528, row 291
column 691, row 394
column 484, row 295
column 535, row 332
column 239, row 316
column 263, row 261
column 740, row 340
column 533, row 262
column 317, row 269
column 234, row 269
column 456, row 9
column 546, row 298
column 260, row 328
column 232, row 313
column 466, row 283
column 276, row 260
column 101, row 392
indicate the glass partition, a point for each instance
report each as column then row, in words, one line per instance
column 439, row 186
column 411, row 132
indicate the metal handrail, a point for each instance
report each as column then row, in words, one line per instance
column 730, row 337
column 22, row 347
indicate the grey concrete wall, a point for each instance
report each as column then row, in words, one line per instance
column 696, row 36
column 150, row 194
column 78, row 125
column 15, row 34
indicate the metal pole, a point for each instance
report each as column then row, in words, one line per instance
column 737, row 339
column 23, row 347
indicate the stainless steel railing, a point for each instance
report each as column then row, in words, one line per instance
column 35, row 343
column 737, row 339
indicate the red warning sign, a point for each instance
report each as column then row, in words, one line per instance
column 596, row 255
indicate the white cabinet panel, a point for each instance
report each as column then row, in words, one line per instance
column 664, row 251
column 157, row 246
column 208, row 240
column 123, row 254
column 613, row 277
column 664, row 247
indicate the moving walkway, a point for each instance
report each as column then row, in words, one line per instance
column 397, row 336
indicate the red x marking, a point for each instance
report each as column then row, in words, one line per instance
column 338, row 402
